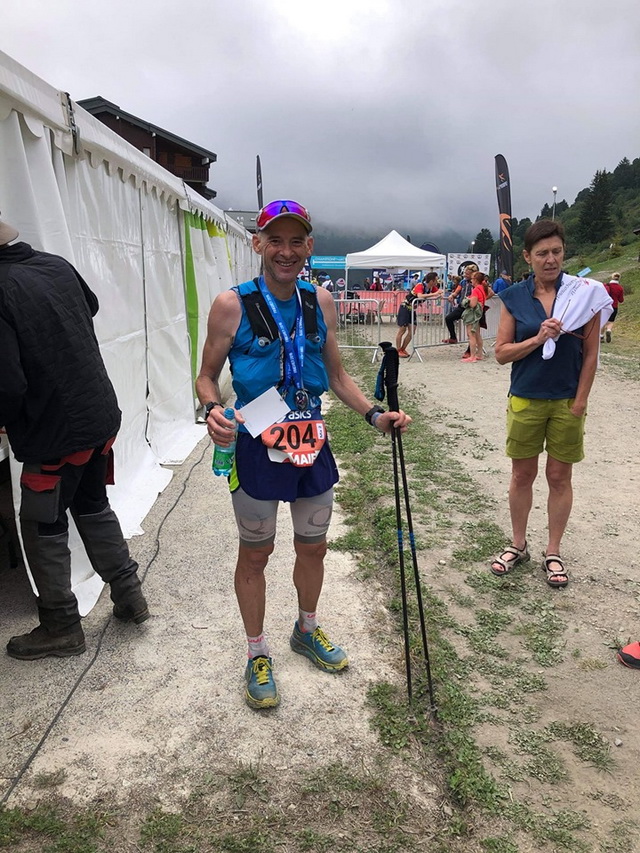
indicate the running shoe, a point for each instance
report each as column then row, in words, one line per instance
column 316, row 646
column 630, row 655
column 403, row 353
column 261, row 689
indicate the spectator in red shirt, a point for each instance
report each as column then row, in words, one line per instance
column 615, row 291
column 417, row 293
column 474, row 312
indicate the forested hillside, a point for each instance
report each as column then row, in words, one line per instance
column 600, row 222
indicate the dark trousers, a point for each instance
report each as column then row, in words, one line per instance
column 452, row 317
column 81, row 489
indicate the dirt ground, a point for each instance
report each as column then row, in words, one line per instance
column 161, row 704
column 602, row 602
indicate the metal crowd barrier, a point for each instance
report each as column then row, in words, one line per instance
column 359, row 324
column 429, row 328
column 364, row 322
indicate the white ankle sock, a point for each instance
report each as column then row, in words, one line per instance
column 307, row 622
column 258, row 646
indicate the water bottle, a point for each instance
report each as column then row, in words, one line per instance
column 222, row 462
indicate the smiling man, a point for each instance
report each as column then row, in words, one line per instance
column 547, row 397
column 280, row 332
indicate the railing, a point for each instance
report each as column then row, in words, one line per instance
column 192, row 173
column 429, row 328
column 364, row 321
column 359, row 324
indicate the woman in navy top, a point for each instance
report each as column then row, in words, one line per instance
column 547, row 397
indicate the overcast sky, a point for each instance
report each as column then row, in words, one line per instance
column 374, row 113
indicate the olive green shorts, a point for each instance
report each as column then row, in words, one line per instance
column 537, row 425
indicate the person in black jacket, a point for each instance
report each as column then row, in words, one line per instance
column 61, row 415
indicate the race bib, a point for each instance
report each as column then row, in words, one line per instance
column 298, row 438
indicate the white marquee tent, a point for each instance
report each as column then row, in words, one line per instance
column 155, row 253
column 394, row 252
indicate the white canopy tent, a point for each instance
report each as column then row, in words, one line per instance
column 394, row 252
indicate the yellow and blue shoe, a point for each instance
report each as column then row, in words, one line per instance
column 316, row 646
column 261, row 689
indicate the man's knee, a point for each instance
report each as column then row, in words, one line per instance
column 310, row 550
column 254, row 560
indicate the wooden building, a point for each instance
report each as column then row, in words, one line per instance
column 186, row 160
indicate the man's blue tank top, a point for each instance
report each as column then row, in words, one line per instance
column 257, row 368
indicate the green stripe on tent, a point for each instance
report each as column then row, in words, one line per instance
column 191, row 221
column 214, row 230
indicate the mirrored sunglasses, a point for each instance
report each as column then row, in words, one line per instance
column 282, row 207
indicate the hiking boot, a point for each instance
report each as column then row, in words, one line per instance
column 39, row 643
column 316, row 646
column 132, row 609
column 607, row 336
column 261, row 689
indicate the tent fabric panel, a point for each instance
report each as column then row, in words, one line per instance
column 118, row 217
column 171, row 429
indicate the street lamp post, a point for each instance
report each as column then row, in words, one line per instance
column 473, row 242
column 554, row 190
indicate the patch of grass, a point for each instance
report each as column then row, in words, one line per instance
column 52, row 832
column 482, row 540
column 623, row 837
column 556, row 827
column 543, row 764
column 256, row 841
column 499, row 845
column 162, row 831
column 49, row 780
column 246, row 783
column 390, row 716
column 310, row 841
column 588, row 744
column 592, row 664
column 542, row 633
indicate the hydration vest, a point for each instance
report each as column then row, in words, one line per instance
column 261, row 320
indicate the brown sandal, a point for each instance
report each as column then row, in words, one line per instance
column 552, row 577
column 518, row 555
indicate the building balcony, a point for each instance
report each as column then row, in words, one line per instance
column 197, row 174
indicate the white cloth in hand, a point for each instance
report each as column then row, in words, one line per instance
column 577, row 301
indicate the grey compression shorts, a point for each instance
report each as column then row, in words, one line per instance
column 256, row 519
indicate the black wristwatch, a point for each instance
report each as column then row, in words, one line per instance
column 209, row 406
column 372, row 411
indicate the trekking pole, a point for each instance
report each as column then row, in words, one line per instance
column 389, row 377
column 390, row 367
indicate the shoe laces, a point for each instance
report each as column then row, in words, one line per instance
column 320, row 637
column 262, row 670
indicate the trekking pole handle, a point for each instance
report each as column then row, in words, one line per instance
column 391, row 363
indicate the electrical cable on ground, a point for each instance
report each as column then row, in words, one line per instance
column 56, row 717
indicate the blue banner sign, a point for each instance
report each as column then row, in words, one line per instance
column 584, row 272
column 328, row 262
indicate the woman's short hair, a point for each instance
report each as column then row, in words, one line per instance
column 542, row 230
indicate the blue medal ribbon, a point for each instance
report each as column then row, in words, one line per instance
column 293, row 355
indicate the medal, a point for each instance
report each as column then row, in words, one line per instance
column 301, row 399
